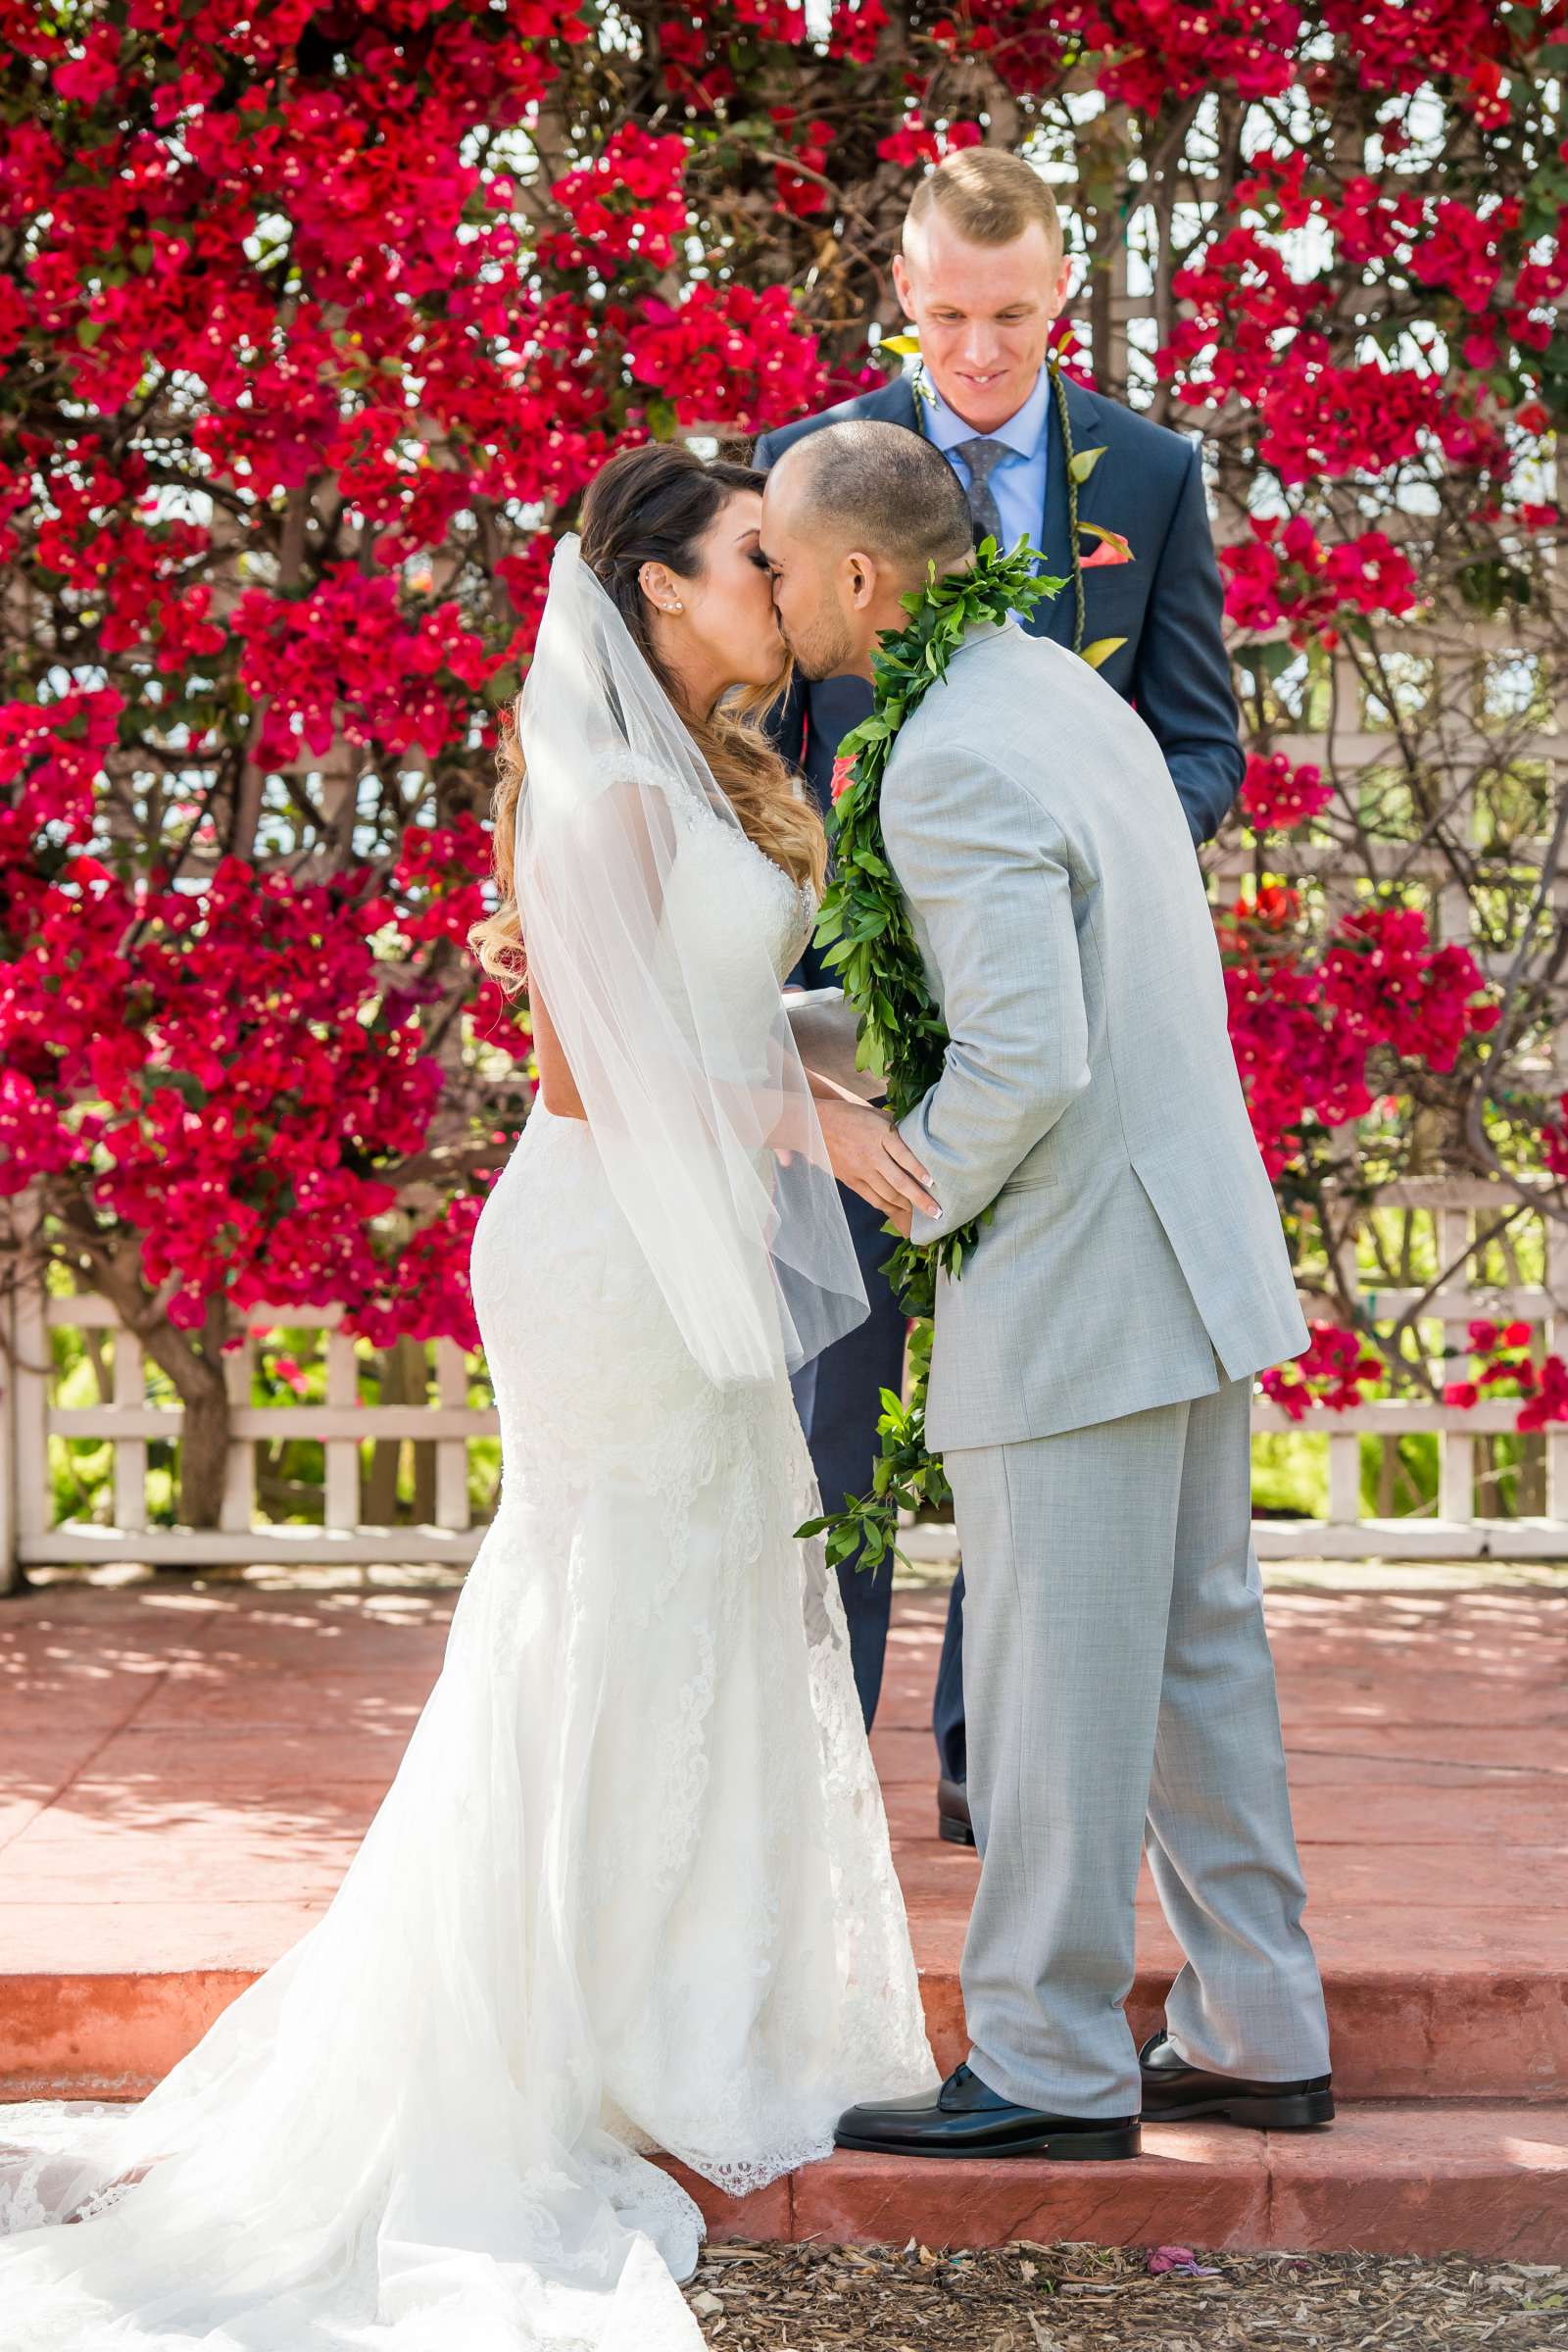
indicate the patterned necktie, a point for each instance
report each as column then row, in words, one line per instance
column 981, row 455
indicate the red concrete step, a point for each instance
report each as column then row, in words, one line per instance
column 1490, row 2181
column 1463, row 2007
column 102, row 2002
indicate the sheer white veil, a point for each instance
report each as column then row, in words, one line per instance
column 646, row 918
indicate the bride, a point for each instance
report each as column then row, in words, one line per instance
column 631, row 1888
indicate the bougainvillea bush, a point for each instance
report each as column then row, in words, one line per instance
column 318, row 320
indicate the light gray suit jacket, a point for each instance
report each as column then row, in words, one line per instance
column 1090, row 1086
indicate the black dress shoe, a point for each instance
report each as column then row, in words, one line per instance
column 967, row 2117
column 953, row 1813
column 1174, row 2091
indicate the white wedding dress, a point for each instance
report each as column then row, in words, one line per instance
column 630, row 1888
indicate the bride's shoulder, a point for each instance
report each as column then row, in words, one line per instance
column 649, row 770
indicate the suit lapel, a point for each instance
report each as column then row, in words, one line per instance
column 1084, row 418
column 891, row 403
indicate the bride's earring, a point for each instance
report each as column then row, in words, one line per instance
column 657, row 589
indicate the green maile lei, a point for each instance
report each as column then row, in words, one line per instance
column 864, row 931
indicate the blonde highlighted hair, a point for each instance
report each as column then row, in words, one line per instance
column 989, row 196
column 654, row 505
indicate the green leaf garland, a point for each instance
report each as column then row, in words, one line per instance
column 864, row 931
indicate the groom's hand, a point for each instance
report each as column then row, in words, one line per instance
column 869, row 1156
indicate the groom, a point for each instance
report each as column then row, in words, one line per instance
column 1091, row 1380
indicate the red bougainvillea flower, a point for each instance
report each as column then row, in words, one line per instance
column 1554, row 1140
column 1508, row 1365
column 320, row 373
column 1307, row 1024
column 1551, row 1399
column 1331, row 1375
column 1283, row 573
column 1275, row 797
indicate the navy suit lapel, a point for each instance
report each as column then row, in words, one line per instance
column 891, row 403
column 1085, row 415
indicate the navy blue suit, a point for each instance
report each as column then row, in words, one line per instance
column 1166, row 604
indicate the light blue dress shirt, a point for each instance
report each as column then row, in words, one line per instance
column 1020, row 483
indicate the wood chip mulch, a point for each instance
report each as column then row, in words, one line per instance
column 1076, row 2298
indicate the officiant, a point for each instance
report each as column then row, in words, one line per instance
column 983, row 276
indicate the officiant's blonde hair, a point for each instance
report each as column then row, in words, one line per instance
column 989, row 196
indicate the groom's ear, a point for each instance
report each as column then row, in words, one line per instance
column 862, row 577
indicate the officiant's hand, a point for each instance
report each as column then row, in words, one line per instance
column 869, row 1156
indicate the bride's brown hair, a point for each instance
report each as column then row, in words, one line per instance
column 654, row 505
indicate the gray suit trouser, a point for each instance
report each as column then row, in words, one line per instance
column 1120, row 1695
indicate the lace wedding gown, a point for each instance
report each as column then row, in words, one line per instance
column 629, row 1889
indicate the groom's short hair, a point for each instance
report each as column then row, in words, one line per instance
column 888, row 492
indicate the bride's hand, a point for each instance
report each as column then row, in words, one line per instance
column 869, row 1156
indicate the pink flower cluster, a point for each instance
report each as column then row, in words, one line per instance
column 348, row 660
column 629, row 201
column 1307, row 1026
column 1283, row 573
column 1402, row 47
column 730, row 354
column 1477, row 270
column 1330, row 1377
column 1509, row 1367
column 917, row 141
column 804, row 186
column 224, row 1071
column 1159, row 50
column 1276, row 797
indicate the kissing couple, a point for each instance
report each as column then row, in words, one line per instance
column 631, row 1890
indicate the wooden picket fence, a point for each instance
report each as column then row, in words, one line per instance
column 1463, row 1522
column 1461, row 1221
column 343, row 1425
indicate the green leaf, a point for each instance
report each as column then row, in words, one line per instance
column 1084, row 462
column 1489, row 583
column 1272, row 659
column 185, row 1084
column 1101, row 650
column 1113, row 539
